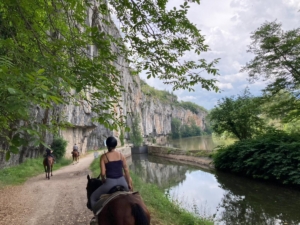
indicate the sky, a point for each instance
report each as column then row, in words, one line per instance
column 227, row 26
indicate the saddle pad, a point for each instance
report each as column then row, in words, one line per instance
column 106, row 198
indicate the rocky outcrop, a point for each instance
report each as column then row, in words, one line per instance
column 155, row 116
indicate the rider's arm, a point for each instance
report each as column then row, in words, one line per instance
column 102, row 168
column 127, row 175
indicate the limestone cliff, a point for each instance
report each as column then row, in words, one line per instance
column 155, row 115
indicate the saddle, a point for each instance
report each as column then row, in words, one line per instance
column 106, row 198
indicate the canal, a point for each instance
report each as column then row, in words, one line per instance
column 222, row 197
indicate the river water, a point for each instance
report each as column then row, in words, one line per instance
column 222, row 197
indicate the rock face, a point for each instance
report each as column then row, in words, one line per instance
column 155, row 116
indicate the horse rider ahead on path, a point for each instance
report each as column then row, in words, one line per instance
column 75, row 149
column 49, row 153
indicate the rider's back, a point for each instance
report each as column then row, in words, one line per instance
column 113, row 165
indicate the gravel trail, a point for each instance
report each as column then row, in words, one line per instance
column 60, row 200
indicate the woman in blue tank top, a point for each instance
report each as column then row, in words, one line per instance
column 112, row 165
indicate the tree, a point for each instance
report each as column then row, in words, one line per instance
column 283, row 105
column 175, row 127
column 136, row 134
column 239, row 116
column 195, row 130
column 47, row 50
column 159, row 39
column 277, row 57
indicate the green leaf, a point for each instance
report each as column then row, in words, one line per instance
column 14, row 149
column 40, row 71
column 7, row 155
column 11, row 90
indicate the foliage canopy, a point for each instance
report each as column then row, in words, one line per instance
column 277, row 60
column 50, row 54
column 240, row 116
column 271, row 156
column 277, row 56
column 184, row 130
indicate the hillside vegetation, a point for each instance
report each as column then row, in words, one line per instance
column 170, row 98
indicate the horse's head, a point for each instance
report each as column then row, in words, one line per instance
column 92, row 185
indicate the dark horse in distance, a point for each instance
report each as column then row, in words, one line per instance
column 48, row 164
column 126, row 209
column 75, row 155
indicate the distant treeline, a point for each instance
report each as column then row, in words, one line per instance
column 186, row 130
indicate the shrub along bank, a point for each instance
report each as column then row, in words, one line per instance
column 274, row 156
column 163, row 212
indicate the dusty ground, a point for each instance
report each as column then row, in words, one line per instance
column 60, row 200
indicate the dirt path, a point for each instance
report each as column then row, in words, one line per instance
column 61, row 200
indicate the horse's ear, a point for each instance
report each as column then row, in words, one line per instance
column 88, row 177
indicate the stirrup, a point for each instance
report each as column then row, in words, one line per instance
column 93, row 221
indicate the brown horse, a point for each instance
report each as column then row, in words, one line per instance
column 123, row 210
column 48, row 164
column 75, row 155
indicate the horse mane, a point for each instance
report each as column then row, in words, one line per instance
column 139, row 215
column 92, row 185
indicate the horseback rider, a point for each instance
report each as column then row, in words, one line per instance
column 114, row 171
column 49, row 153
column 75, row 149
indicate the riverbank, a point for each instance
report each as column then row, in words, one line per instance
column 163, row 211
column 197, row 158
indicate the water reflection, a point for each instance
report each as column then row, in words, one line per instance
column 227, row 198
column 262, row 203
column 155, row 170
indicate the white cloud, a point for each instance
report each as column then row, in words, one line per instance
column 187, row 98
column 224, row 85
column 292, row 3
column 227, row 26
column 234, row 77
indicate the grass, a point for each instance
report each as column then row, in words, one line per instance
column 97, row 150
column 16, row 175
column 163, row 211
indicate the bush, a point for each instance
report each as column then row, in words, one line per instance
column 273, row 156
column 59, row 147
column 136, row 134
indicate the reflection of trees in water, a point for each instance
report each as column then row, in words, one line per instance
column 239, row 211
column 160, row 172
column 251, row 202
column 245, row 201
